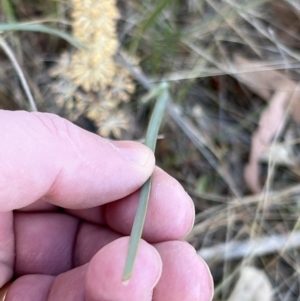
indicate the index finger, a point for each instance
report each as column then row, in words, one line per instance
column 44, row 155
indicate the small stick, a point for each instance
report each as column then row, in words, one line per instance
column 151, row 138
column 254, row 247
column 19, row 71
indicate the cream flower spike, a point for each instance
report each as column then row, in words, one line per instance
column 94, row 24
column 106, row 87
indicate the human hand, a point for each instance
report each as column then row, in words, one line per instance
column 74, row 196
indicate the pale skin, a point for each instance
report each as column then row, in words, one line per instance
column 74, row 196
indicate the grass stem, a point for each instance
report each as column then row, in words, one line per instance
column 151, row 138
column 8, row 51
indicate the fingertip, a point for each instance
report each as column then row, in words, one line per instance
column 136, row 153
column 170, row 214
column 185, row 275
column 210, row 280
column 191, row 210
column 30, row 287
column 71, row 167
column 104, row 274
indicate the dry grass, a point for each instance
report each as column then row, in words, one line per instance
column 216, row 112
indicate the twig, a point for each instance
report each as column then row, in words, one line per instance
column 19, row 71
column 254, row 248
column 187, row 74
column 207, row 218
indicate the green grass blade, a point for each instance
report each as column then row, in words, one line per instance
column 151, row 138
column 40, row 28
column 19, row 71
column 8, row 10
column 156, row 117
column 144, row 25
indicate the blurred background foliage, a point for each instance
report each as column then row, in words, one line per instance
column 231, row 132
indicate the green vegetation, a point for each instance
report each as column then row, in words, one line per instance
column 231, row 130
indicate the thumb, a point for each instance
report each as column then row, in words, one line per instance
column 104, row 273
column 43, row 155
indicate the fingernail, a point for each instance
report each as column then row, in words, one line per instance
column 192, row 205
column 138, row 156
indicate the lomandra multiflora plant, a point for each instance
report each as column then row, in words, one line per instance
column 89, row 81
